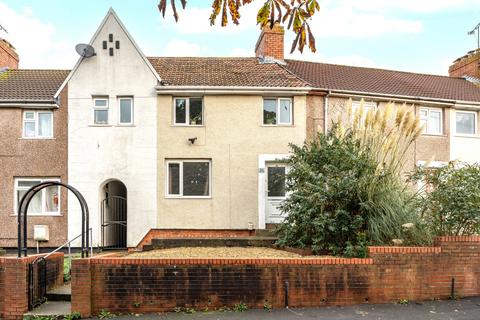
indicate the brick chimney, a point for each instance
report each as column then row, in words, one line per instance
column 8, row 55
column 270, row 43
column 468, row 65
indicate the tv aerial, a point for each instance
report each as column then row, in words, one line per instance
column 3, row 29
column 477, row 30
column 85, row 50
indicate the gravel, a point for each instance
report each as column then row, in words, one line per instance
column 215, row 252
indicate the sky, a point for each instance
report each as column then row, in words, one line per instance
column 422, row 36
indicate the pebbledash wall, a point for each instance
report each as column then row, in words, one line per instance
column 390, row 274
column 14, row 283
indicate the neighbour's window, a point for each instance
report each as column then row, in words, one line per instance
column 100, row 111
column 188, row 111
column 466, row 122
column 45, row 202
column 188, row 178
column 277, row 111
column 431, row 119
column 367, row 106
column 37, row 124
column 125, row 111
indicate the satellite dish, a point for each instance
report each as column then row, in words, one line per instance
column 85, row 50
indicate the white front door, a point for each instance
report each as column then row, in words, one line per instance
column 275, row 191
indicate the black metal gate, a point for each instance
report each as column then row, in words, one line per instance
column 37, row 282
column 114, row 222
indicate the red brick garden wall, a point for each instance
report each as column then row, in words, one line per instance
column 14, row 283
column 389, row 275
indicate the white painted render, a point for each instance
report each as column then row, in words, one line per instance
column 98, row 153
column 465, row 148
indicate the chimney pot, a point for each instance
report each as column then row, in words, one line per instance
column 8, row 56
column 466, row 66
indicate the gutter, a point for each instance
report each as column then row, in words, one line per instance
column 350, row 94
column 230, row 90
column 28, row 104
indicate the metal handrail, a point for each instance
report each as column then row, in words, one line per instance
column 69, row 242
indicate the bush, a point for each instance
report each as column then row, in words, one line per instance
column 452, row 206
column 345, row 187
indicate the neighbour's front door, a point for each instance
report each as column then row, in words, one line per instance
column 275, row 192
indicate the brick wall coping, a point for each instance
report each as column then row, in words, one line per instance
column 265, row 261
column 458, row 239
column 29, row 258
column 402, row 250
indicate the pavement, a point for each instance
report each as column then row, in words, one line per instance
column 464, row 309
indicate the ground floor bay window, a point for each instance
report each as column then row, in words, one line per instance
column 45, row 202
column 188, row 178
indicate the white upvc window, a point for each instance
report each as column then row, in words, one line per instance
column 125, row 111
column 277, row 111
column 432, row 120
column 45, row 202
column 188, row 179
column 367, row 107
column 100, row 111
column 466, row 123
column 188, row 111
column 37, row 124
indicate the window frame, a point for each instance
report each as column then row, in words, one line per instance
column 277, row 112
column 428, row 110
column 132, row 108
column 36, row 122
column 187, row 112
column 16, row 188
column 475, row 128
column 180, row 163
column 106, row 108
column 367, row 105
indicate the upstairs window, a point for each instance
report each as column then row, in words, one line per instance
column 188, row 111
column 100, row 111
column 466, row 122
column 125, row 111
column 45, row 202
column 367, row 107
column 38, row 124
column 277, row 111
column 188, row 178
column 431, row 119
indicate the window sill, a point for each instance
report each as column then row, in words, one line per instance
column 277, row 125
column 187, row 125
column 434, row 135
column 187, row 197
column 40, row 215
column 466, row 136
column 100, row 125
column 37, row 138
column 124, row 125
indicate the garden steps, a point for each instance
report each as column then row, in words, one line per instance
column 61, row 293
column 164, row 243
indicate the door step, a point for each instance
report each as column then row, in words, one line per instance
column 61, row 293
column 51, row 308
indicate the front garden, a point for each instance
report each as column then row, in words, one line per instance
column 352, row 188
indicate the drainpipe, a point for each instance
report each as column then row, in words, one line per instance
column 325, row 112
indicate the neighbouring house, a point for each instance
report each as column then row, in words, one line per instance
column 33, row 148
column 201, row 142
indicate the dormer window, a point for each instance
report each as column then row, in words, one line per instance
column 188, row 112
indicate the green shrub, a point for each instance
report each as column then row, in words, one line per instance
column 346, row 187
column 452, row 206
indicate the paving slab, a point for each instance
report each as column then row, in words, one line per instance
column 51, row 308
column 464, row 309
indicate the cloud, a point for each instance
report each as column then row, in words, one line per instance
column 180, row 48
column 37, row 42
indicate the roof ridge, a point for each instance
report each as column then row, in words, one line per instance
column 379, row 69
column 203, row 57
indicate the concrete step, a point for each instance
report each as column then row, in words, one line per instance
column 160, row 243
column 265, row 233
column 61, row 293
column 51, row 308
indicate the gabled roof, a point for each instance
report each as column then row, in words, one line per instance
column 223, row 72
column 384, row 82
column 30, row 86
column 113, row 14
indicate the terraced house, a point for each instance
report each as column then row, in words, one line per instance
column 170, row 144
